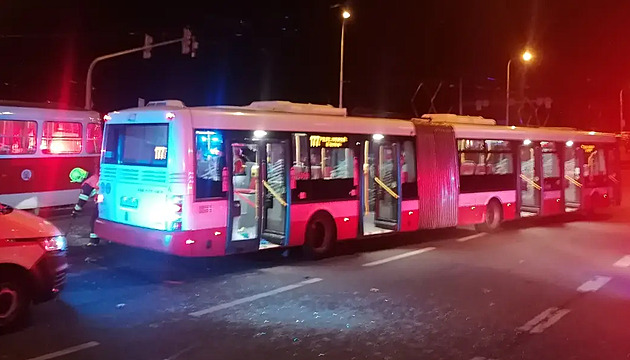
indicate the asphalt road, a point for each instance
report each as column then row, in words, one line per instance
column 540, row 289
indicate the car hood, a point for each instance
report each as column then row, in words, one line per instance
column 18, row 224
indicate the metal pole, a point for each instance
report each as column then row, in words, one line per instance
column 461, row 105
column 88, row 80
column 507, row 95
column 343, row 32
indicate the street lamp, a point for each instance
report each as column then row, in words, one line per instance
column 527, row 56
column 345, row 15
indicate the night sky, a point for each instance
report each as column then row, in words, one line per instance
column 289, row 50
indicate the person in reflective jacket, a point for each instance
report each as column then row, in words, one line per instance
column 89, row 189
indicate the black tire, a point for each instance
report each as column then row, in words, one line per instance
column 320, row 236
column 14, row 300
column 493, row 219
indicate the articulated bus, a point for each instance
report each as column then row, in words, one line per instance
column 39, row 145
column 211, row 181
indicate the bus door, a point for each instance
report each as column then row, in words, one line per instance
column 573, row 160
column 380, row 186
column 530, row 178
column 273, row 181
column 244, row 195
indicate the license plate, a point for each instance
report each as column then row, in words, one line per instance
column 129, row 202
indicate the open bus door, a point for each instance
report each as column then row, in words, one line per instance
column 530, row 177
column 257, row 191
column 380, row 186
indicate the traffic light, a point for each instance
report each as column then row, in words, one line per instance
column 148, row 41
column 194, row 46
column 187, row 42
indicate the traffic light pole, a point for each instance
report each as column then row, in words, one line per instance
column 88, row 80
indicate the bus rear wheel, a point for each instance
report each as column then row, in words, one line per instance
column 320, row 237
column 492, row 219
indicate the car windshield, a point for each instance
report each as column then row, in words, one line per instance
column 5, row 209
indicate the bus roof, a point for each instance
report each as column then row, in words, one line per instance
column 286, row 116
column 531, row 133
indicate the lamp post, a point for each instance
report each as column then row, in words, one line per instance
column 526, row 57
column 345, row 15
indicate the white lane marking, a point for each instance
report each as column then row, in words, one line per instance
column 67, row 351
column 254, row 297
column 594, row 284
column 537, row 319
column 552, row 320
column 544, row 320
column 470, row 237
column 623, row 262
column 400, row 256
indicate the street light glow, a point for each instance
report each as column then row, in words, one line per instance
column 345, row 14
column 527, row 56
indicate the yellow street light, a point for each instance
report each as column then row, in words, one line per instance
column 345, row 14
column 527, row 56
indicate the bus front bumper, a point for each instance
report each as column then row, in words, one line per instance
column 188, row 243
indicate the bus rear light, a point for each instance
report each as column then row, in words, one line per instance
column 170, row 116
column 605, row 196
column 346, row 219
column 99, row 198
column 302, row 195
column 217, row 233
column 410, row 213
column 190, row 242
column 106, row 118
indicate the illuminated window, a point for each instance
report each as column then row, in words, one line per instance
column 210, row 156
column 18, row 137
column 485, row 157
column 136, row 144
column 409, row 162
column 94, row 139
column 61, row 137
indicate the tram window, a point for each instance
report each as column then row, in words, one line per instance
column 94, row 139
column 210, row 158
column 61, row 137
column 18, row 137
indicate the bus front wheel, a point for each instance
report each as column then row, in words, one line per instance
column 320, row 237
column 493, row 217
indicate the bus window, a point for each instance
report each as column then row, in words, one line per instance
column 339, row 163
column 408, row 170
column 301, row 157
column 596, row 161
column 136, row 144
column 210, row 163
column 94, row 138
column 18, row 137
column 61, row 137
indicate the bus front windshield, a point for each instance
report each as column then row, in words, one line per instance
column 136, row 144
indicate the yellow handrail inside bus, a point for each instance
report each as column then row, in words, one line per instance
column 573, row 181
column 531, row 182
column 382, row 184
column 274, row 193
